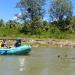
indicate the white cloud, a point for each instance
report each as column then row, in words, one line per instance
column 17, row 16
column 14, row 18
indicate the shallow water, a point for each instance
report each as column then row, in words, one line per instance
column 41, row 61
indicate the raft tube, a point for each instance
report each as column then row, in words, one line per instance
column 25, row 49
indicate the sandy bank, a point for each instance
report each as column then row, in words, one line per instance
column 50, row 42
column 35, row 42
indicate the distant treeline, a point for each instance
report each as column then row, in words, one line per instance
column 61, row 23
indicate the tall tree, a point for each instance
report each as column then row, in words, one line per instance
column 61, row 11
column 31, row 8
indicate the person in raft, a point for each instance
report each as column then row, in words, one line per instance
column 18, row 43
column 0, row 44
column 3, row 44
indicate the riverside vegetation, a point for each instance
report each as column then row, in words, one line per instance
column 61, row 23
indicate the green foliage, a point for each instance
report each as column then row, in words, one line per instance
column 11, row 24
column 31, row 8
column 61, row 27
column 54, row 29
column 36, row 31
column 1, row 23
column 36, row 25
column 61, row 11
column 45, row 26
column 26, row 29
column 71, row 26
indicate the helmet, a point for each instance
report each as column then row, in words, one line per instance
column 18, row 40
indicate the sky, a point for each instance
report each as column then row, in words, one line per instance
column 8, row 9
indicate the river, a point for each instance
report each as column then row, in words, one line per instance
column 41, row 61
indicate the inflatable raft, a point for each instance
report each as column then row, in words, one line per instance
column 25, row 49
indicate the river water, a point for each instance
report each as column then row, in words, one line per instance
column 41, row 61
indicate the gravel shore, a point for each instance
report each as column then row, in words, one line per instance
column 51, row 42
column 35, row 42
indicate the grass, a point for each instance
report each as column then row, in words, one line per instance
column 56, row 35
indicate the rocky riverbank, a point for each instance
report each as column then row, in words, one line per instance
column 44, row 42
column 50, row 42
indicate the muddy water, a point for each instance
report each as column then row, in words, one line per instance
column 41, row 61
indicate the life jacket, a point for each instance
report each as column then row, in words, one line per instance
column 0, row 44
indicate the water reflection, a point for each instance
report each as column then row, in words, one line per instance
column 42, row 61
column 44, row 72
column 22, row 61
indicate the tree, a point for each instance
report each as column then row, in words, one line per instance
column 26, row 27
column 72, row 25
column 61, row 11
column 31, row 8
column 11, row 24
column 36, row 26
column 1, row 22
column 45, row 26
